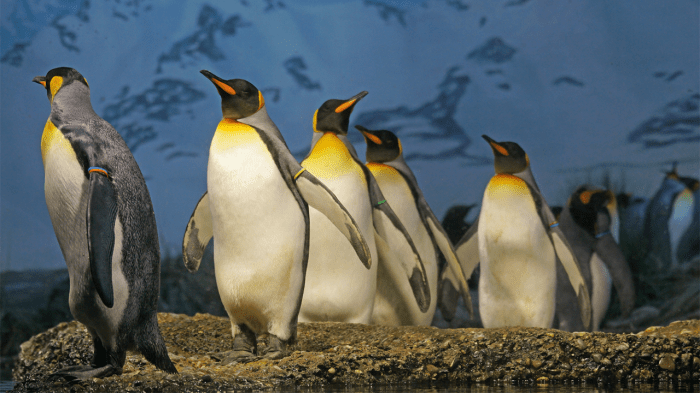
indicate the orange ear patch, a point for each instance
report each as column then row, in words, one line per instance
column 585, row 197
column 372, row 138
column 224, row 87
column 315, row 119
column 345, row 105
column 261, row 100
column 499, row 148
column 56, row 83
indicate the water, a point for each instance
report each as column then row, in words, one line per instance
column 6, row 386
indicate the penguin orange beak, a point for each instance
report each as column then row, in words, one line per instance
column 220, row 83
column 495, row 146
column 369, row 135
column 40, row 80
column 351, row 102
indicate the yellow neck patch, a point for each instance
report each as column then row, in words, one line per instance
column 53, row 138
column 56, row 83
column 330, row 158
column 230, row 133
column 504, row 184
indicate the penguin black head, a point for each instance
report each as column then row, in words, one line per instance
column 509, row 157
column 239, row 98
column 57, row 78
column 382, row 145
column 586, row 204
column 334, row 115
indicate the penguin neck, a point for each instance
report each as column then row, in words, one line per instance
column 261, row 121
column 72, row 102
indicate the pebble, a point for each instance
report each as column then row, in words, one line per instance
column 667, row 362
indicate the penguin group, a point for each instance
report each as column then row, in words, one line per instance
column 330, row 238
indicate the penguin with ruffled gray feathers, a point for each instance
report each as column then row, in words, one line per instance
column 256, row 209
column 586, row 221
column 105, row 225
column 394, row 303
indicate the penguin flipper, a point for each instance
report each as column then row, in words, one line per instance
column 197, row 235
column 573, row 271
column 394, row 234
column 448, row 251
column 316, row 194
column 101, row 218
column 611, row 254
column 467, row 253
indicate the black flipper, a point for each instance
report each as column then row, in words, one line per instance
column 101, row 217
column 389, row 227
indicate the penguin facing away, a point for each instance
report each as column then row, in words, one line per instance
column 394, row 303
column 587, row 224
column 517, row 241
column 256, row 210
column 336, row 289
column 103, row 218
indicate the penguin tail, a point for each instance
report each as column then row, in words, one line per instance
column 151, row 345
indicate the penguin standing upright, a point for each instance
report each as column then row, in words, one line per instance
column 667, row 216
column 689, row 243
column 587, row 223
column 255, row 208
column 105, row 225
column 517, row 241
column 336, row 289
column 394, row 303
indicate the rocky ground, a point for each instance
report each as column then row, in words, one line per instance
column 339, row 353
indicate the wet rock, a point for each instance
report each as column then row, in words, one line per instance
column 339, row 353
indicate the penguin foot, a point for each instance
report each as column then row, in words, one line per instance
column 231, row 357
column 82, row 373
column 276, row 348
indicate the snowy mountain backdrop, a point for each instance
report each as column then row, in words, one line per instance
column 588, row 88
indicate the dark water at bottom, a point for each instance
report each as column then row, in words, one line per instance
column 479, row 388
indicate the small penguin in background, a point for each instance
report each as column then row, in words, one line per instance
column 394, row 304
column 517, row 241
column 455, row 226
column 689, row 243
column 336, row 288
column 632, row 210
column 105, row 225
column 668, row 215
column 453, row 222
column 256, row 210
column 587, row 224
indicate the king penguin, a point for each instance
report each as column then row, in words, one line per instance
column 256, row 210
column 337, row 289
column 588, row 226
column 105, row 225
column 394, row 303
column 518, row 242
column 667, row 216
column 689, row 243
